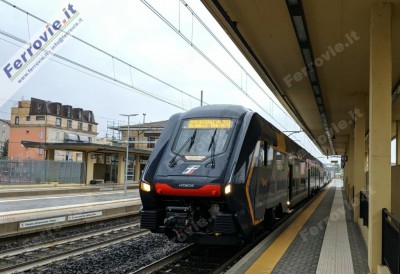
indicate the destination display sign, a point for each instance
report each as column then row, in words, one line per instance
column 209, row 123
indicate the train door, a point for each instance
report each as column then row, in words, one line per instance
column 262, row 185
column 319, row 178
column 290, row 182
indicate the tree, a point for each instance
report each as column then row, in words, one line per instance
column 4, row 152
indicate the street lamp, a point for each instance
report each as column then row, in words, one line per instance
column 127, row 155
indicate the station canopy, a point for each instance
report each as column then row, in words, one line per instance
column 314, row 56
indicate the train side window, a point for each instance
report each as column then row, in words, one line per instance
column 270, row 157
column 261, row 155
column 265, row 154
column 280, row 161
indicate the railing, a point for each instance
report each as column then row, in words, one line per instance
column 40, row 171
column 390, row 241
column 364, row 207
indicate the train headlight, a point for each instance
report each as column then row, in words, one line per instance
column 228, row 189
column 145, row 186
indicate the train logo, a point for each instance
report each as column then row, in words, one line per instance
column 191, row 169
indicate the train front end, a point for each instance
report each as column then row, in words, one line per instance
column 185, row 186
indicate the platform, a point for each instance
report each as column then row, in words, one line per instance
column 32, row 213
column 322, row 239
column 18, row 190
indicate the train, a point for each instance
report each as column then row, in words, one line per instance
column 218, row 173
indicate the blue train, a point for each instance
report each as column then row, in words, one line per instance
column 219, row 172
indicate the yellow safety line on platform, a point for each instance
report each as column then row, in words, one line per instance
column 268, row 260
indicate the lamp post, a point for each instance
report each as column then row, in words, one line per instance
column 127, row 155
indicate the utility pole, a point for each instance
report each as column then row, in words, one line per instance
column 201, row 98
column 127, row 156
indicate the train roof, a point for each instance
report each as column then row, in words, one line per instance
column 223, row 111
column 237, row 111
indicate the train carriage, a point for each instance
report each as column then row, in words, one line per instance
column 218, row 172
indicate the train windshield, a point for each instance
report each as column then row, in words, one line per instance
column 200, row 138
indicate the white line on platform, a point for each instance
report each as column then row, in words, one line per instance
column 335, row 254
column 133, row 201
column 44, row 197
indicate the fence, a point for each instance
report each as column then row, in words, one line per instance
column 390, row 241
column 40, row 171
column 364, row 208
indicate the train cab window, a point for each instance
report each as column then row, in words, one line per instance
column 200, row 137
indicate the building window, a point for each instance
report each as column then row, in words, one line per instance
column 131, row 145
column 79, row 125
column 90, row 128
column 57, row 135
column 89, row 139
column 69, row 123
column 151, row 145
column 58, row 110
column 28, row 118
column 16, row 120
column 40, row 118
column 39, row 106
column 40, row 151
column 58, row 121
column 41, row 134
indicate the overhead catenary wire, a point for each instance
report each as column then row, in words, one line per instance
column 97, row 116
column 227, row 51
column 106, row 53
column 189, row 41
column 248, row 75
column 125, row 85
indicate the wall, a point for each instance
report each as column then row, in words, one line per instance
column 17, row 150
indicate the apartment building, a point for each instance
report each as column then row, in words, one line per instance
column 42, row 121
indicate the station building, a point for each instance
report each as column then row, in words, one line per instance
column 141, row 137
column 44, row 130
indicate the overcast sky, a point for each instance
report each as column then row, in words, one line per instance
column 130, row 31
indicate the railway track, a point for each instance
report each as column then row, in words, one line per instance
column 193, row 259
column 213, row 259
column 33, row 257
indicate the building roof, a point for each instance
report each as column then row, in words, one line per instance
column 43, row 107
column 83, row 147
column 145, row 126
column 5, row 121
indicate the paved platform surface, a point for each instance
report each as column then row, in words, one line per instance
column 36, row 213
column 327, row 242
column 51, row 201
column 18, row 191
